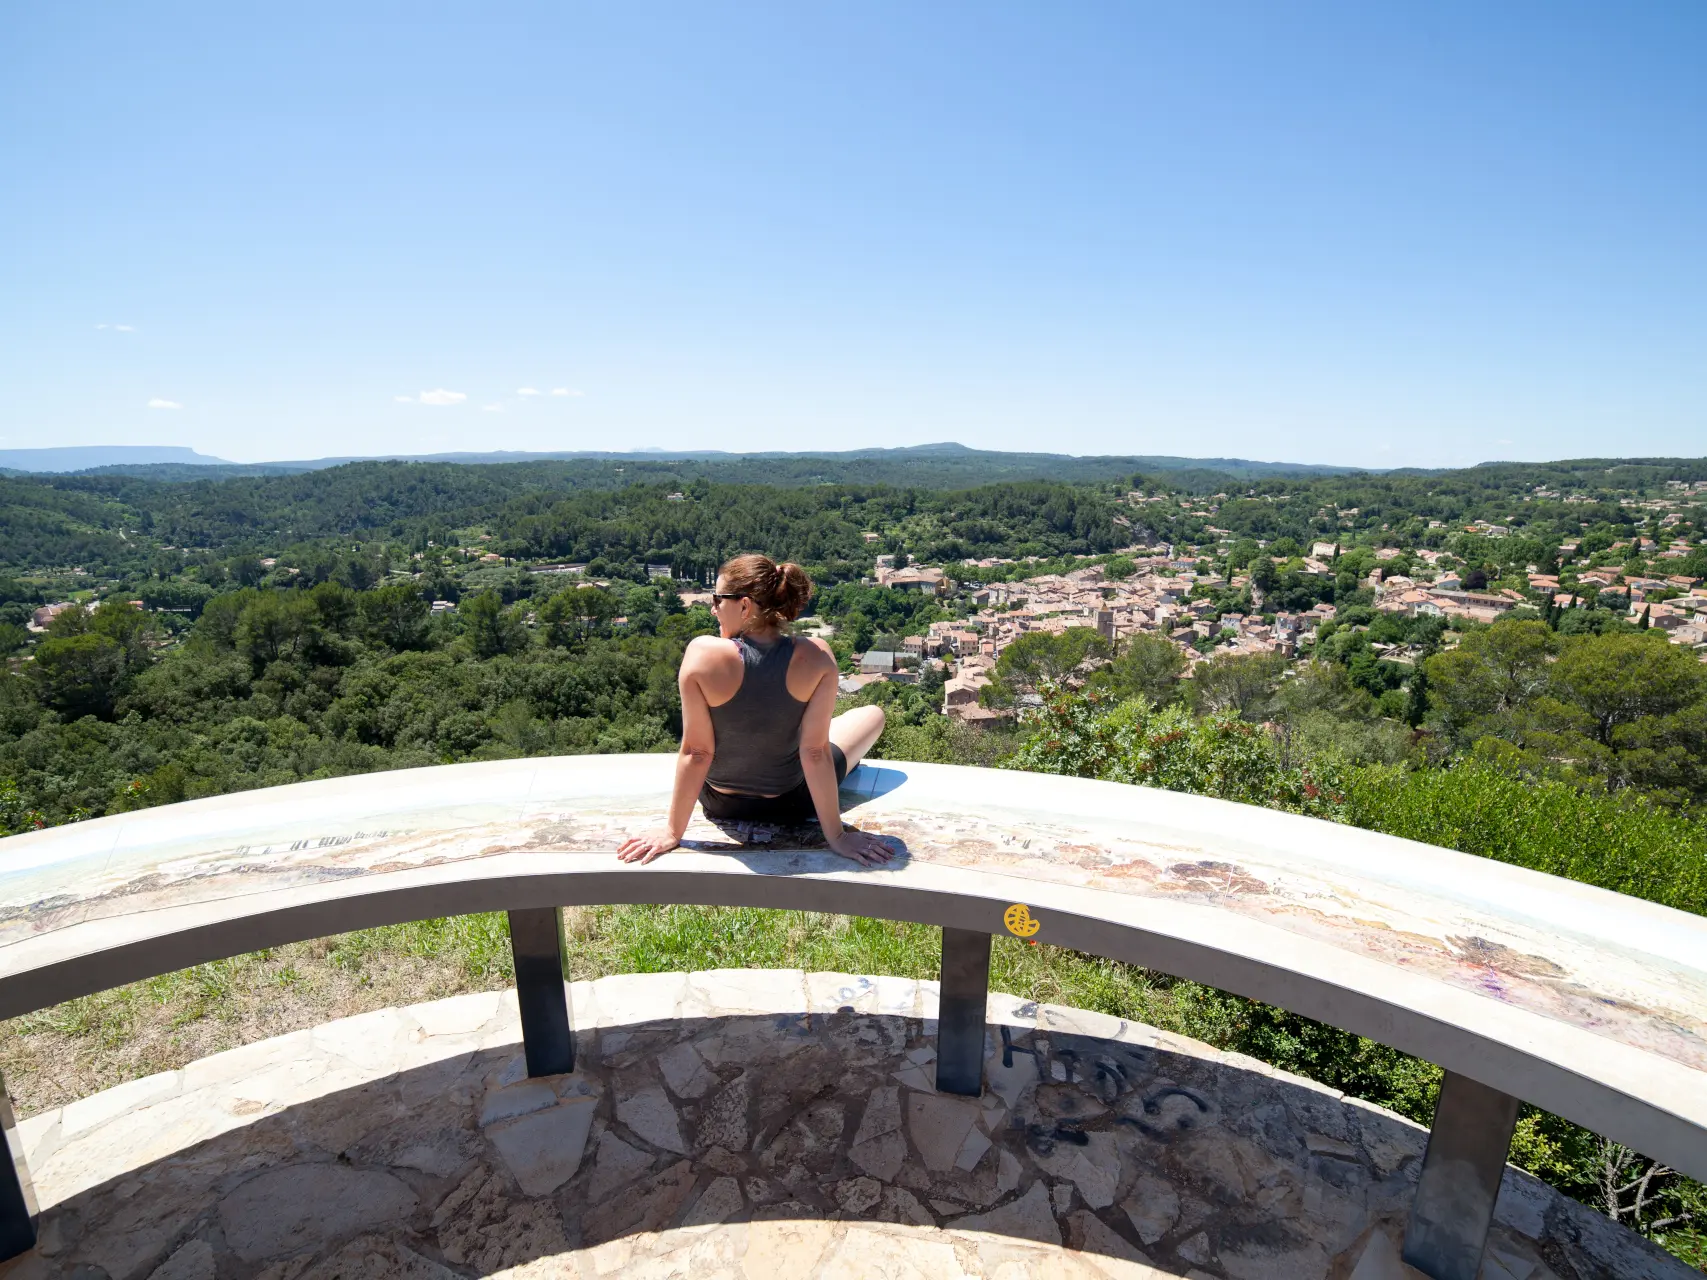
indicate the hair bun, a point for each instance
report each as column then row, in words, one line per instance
column 793, row 590
column 779, row 590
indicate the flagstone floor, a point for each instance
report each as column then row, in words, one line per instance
column 751, row 1124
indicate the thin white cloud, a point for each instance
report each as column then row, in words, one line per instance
column 103, row 326
column 124, row 328
column 404, row 399
column 566, row 391
column 527, row 391
column 440, row 396
column 492, row 408
column 158, row 403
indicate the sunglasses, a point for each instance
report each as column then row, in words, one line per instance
column 718, row 597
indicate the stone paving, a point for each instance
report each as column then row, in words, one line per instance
column 751, row 1124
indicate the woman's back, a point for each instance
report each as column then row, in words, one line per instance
column 761, row 741
column 757, row 731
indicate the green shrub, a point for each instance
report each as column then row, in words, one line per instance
column 1620, row 842
column 1217, row 755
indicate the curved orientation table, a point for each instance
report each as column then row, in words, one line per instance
column 1523, row 986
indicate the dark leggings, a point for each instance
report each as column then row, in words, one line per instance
column 791, row 808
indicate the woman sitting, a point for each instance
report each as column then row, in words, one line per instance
column 760, row 738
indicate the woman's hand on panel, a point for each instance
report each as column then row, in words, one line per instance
column 862, row 847
column 648, row 845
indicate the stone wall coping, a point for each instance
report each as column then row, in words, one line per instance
column 1588, row 1003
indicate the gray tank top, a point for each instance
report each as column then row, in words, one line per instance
column 757, row 732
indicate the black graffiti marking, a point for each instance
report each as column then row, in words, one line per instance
column 1153, row 1107
column 1111, row 1081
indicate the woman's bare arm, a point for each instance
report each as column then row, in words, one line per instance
column 693, row 762
column 818, row 763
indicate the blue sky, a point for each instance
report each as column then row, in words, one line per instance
column 1377, row 234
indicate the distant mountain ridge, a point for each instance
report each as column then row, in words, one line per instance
column 87, row 457
column 181, row 463
column 949, row 450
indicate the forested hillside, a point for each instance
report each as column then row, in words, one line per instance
column 112, row 525
column 111, row 522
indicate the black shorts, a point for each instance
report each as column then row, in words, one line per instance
column 791, row 808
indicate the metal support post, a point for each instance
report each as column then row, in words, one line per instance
column 964, row 991
column 17, row 1195
column 1454, row 1206
column 542, row 961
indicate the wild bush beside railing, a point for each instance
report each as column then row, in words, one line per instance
column 1618, row 841
column 1084, row 735
column 15, row 815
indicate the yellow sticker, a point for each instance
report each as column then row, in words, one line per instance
column 1019, row 921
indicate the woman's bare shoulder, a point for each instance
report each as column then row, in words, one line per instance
column 813, row 663
column 705, row 652
column 819, row 651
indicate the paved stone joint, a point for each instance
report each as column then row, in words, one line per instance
column 765, row 1125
